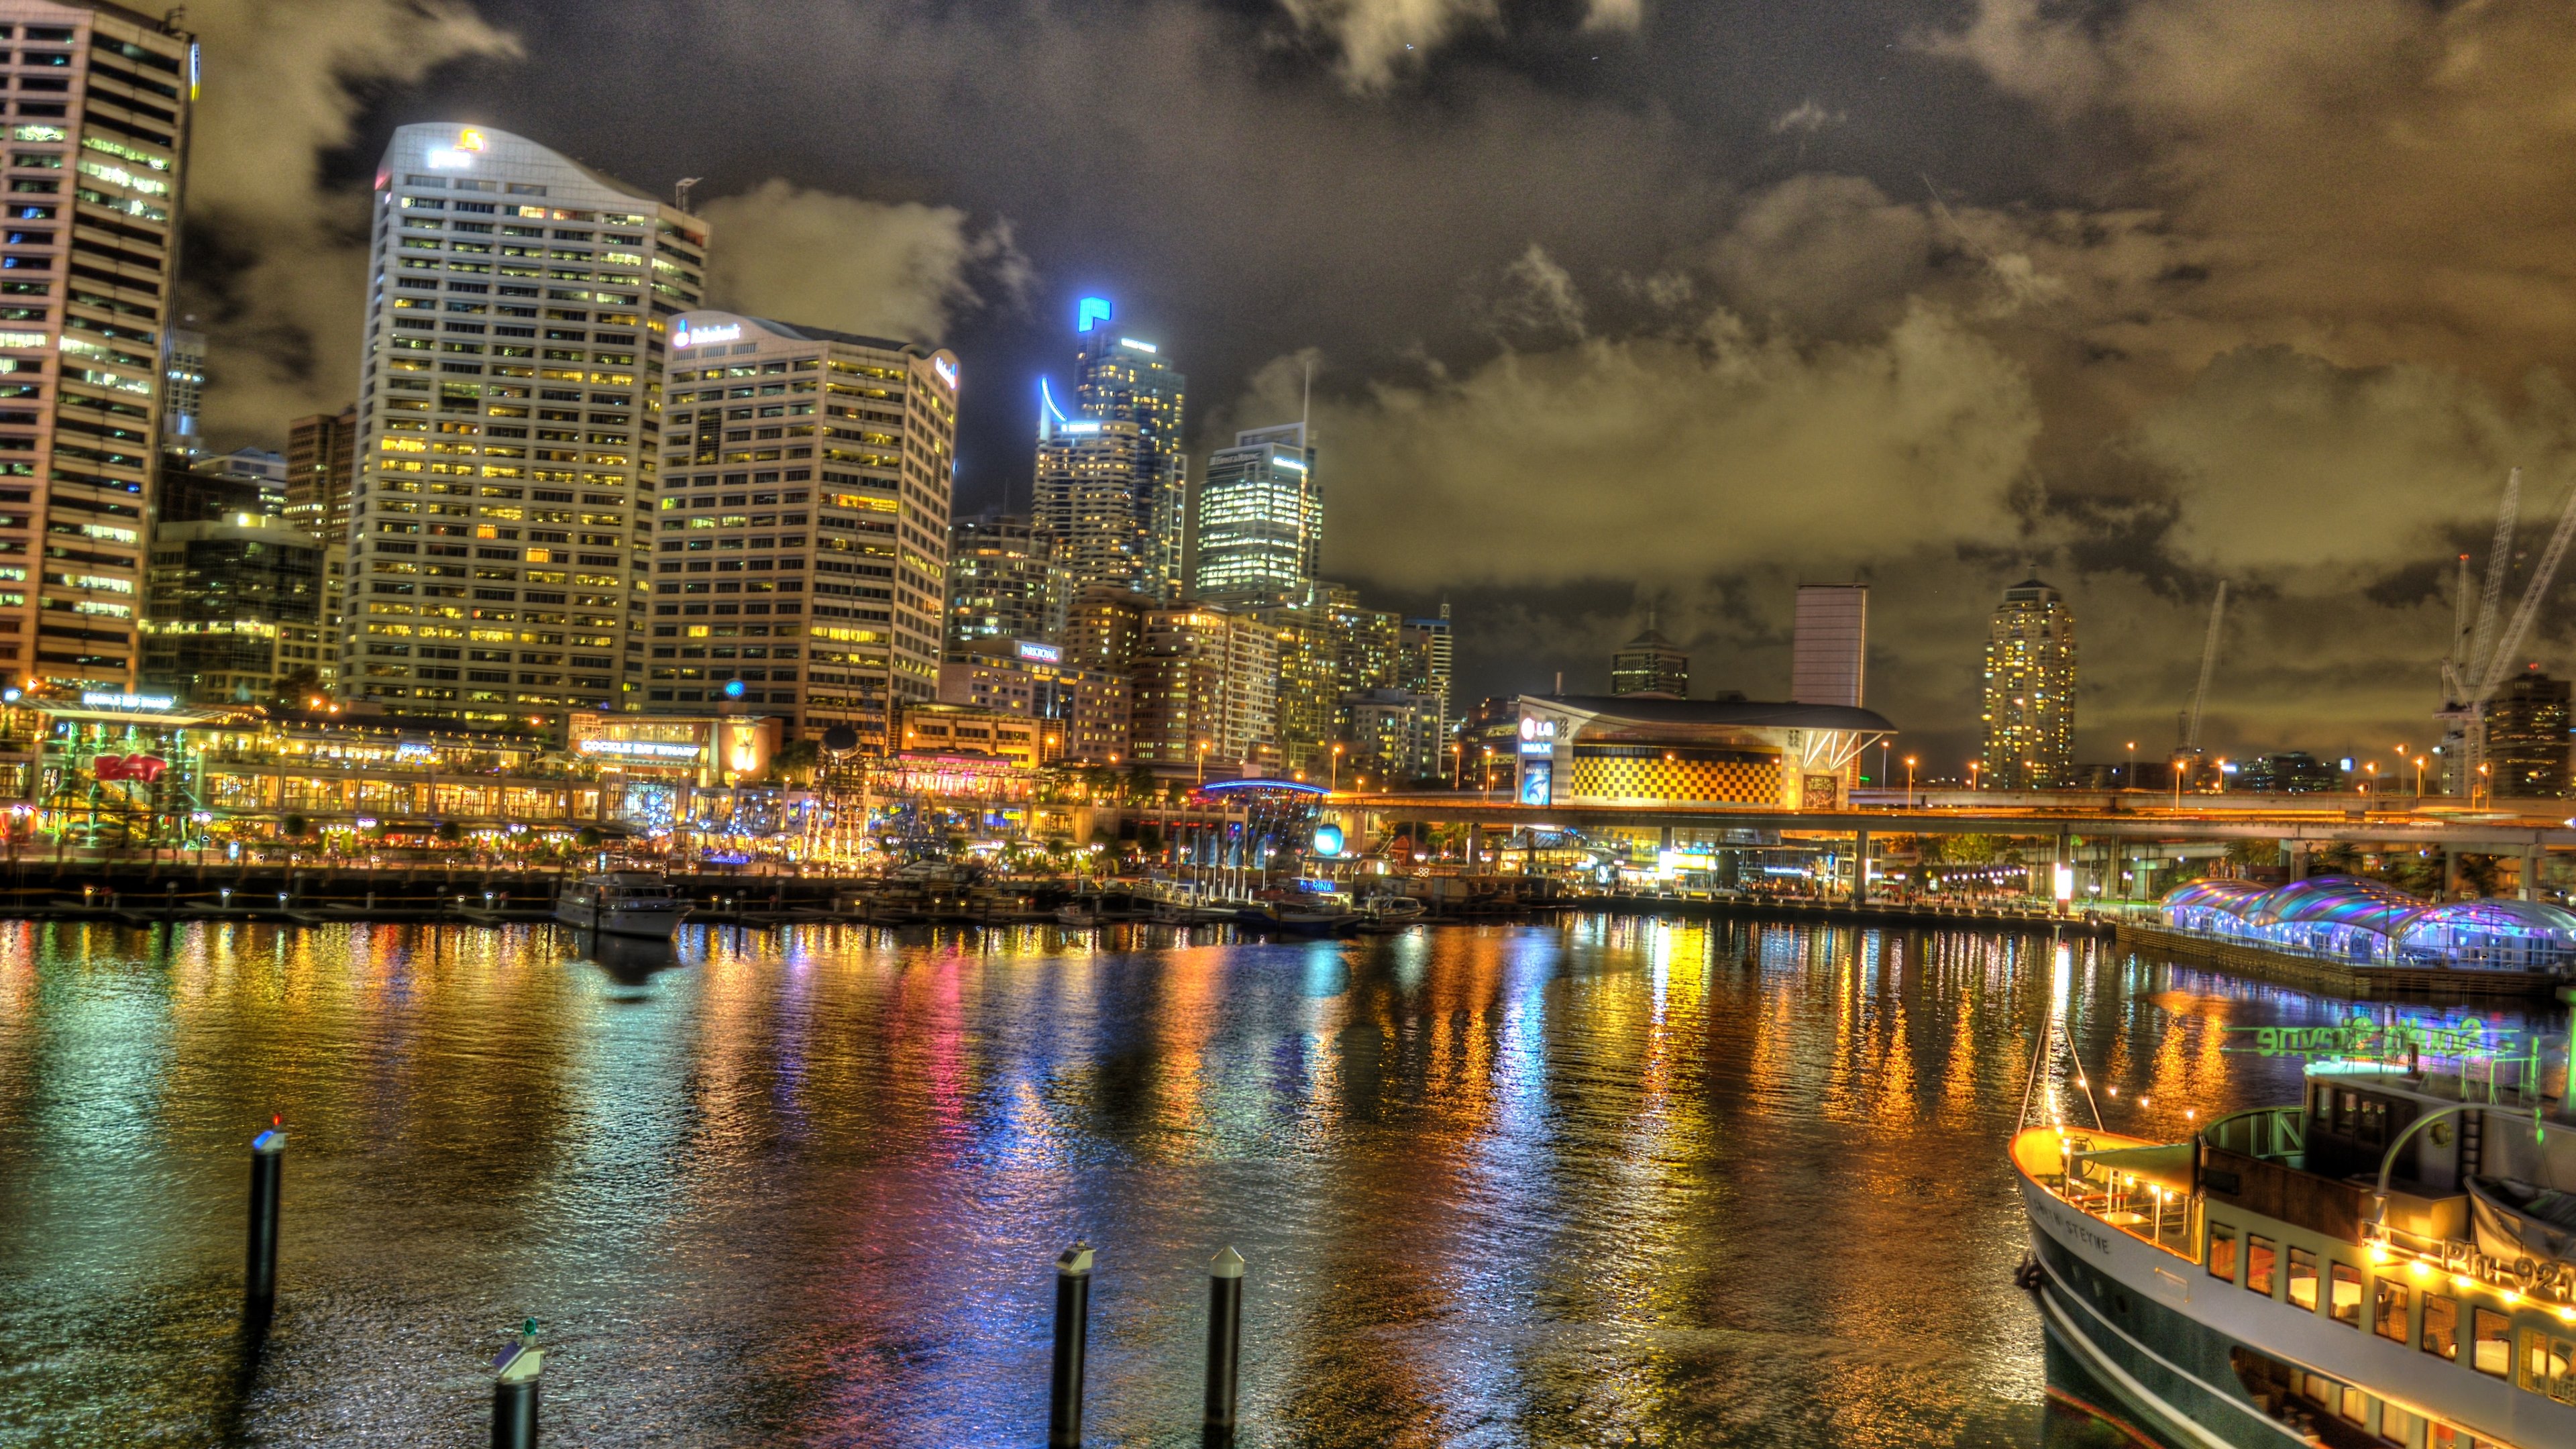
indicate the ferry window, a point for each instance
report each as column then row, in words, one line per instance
column 2442, row 1326
column 2491, row 1342
column 2388, row 1310
column 2320, row 1390
column 2303, row 1279
column 2345, row 1302
column 2546, row 1365
column 2343, row 1115
column 2396, row 1425
column 2222, row 1252
column 2356, row 1405
column 2259, row 1256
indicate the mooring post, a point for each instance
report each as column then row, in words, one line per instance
column 259, row 1276
column 514, row 1391
column 1072, row 1318
column 1224, row 1346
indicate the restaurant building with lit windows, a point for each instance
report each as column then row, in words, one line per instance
column 516, row 333
column 801, row 546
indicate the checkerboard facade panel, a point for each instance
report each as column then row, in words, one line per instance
column 1728, row 782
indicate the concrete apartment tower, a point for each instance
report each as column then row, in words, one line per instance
column 99, row 101
column 500, row 534
column 801, row 551
column 1829, row 652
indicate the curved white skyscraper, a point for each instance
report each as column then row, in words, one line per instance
column 500, row 532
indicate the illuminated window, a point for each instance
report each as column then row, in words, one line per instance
column 2441, row 1326
column 2388, row 1310
column 2260, row 1255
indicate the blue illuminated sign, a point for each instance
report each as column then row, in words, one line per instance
column 733, row 689
column 1328, row 839
column 1090, row 312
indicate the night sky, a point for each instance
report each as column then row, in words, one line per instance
column 1616, row 302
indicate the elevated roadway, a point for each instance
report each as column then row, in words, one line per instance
column 2518, row 827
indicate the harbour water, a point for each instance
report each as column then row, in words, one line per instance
column 1703, row 1183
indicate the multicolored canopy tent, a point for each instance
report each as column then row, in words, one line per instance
column 2216, row 906
column 2501, row 935
column 2373, row 923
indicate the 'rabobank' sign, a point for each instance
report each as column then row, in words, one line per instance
column 688, row 336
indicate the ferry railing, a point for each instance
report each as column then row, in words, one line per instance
column 2161, row 1216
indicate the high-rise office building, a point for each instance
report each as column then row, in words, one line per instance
column 1261, row 519
column 2527, row 731
column 1004, row 582
column 235, row 609
column 1332, row 648
column 1650, row 664
column 321, row 463
column 1426, row 654
column 2030, row 690
column 1102, row 630
column 516, row 337
column 1205, row 684
column 1307, row 700
column 1829, row 650
column 99, row 111
column 1086, row 504
column 1110, row 482
column 225, row 485
column 185, row 375
column 803, row 539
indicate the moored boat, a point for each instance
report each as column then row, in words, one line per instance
column 635, row 903
column 2389, row 1263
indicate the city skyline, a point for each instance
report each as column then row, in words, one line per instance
column 1969, row 302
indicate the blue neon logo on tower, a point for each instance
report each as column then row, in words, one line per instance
column 1089, row 313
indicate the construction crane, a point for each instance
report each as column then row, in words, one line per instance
column 2208, row 666
column 2472, row 681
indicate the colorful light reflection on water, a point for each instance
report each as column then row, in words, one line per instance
column 1710, row 1184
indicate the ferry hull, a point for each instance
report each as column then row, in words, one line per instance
column 2170, row 1371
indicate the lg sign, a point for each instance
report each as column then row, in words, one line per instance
column 1534, row 728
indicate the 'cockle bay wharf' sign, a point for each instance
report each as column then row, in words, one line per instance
column 2398, row 1040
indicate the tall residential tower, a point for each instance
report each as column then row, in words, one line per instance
column 803, row 536
column 2030, row 690
column 99, row 109
column 499, row 540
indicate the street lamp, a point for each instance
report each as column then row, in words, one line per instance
column 2419, row 779
column 2133, row 764
column 1203, row 749
column 1336, row 781
column 1909, row 782
column 1972, row 775
column 1485, row 776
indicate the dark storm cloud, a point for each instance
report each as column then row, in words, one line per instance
column 1610, row 301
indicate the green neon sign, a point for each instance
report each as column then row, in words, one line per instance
column 2378, row 1040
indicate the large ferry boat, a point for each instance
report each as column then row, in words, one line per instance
column 2389, row 1263
column 622, row 903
